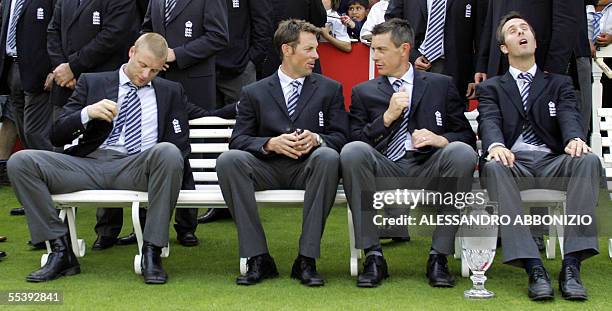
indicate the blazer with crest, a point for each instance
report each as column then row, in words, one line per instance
column 262, row 113
column 435, row 106
column 173, row 108
column 551, row 108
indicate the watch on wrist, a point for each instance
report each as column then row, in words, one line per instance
column 319, row 140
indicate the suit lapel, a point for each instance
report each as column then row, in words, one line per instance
column 512, row 92
column 5, row 18
column 78, row 10
column 162, row 108
column 112, row 86
column 180, row 6
column 384, row 86
column 24, row 8
column 540, row 81
column 310, row 87
column 418, row 89
column 275, row 89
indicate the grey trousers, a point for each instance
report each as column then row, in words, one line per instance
column 579, row 176
column 36, row 174
column 228, row 90
column 32, row 112
column 365, row 171
column 240, row 174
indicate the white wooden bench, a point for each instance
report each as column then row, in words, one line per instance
column 604, row 118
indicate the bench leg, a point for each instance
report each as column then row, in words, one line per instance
column 551, row 241
column 45, row 257
column 78, row 245
column 355, row 253
column 610, row 248
column 138, row 233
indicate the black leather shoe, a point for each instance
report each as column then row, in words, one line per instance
column 37, row 246
column 103, row 242
column 2, row 238
column 61, row 261
column 187, row 239
column 570, row 283
column 214, row 214
column 374, row 271
column 539, row 241
column 305, row 270
column 258, row 268
column 539, row 284
column 438, row 273
column 127, row 240
column 2, row 254
column 19, row 211
column 151, row 264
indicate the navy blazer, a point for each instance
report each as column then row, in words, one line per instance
column 434, row 98
column 551, row 108
column 172, row 105
column 34, row 65
column 262, row 113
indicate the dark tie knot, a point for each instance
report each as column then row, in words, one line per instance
column 296, row 84
column 398, row 84
column 134, row 87
column 526, row 76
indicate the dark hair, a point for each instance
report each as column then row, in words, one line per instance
column 288, row 32
column 363, row 3
column 501, row 37
column 400, row 29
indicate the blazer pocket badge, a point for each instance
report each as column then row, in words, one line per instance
column 95, row 18
column 321, row 119
column 468, row 11
column 438, row 118
column 40, row 14
column 235, row 4
column 176, row 126
column 552, row 109
column 188, row 29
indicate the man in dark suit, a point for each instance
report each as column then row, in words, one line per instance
column 135, row 136
column 289, row 130
column 446, row 34
column 311, row 11
column 409, row 132
column 196, row 31
column 532, row 133
column 25, row 68
column 142, row 6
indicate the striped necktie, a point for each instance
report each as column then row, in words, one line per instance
column 529, row 135
column 12, row 33
column 293, row 97
column 129, row 122
column 434, row 38
column 596, row 24
column 396, row 148
column 170, row 4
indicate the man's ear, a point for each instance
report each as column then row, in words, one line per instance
column 406, row 48
column 287, row 49
column 504, row 49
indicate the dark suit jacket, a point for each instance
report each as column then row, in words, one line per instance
column 172, row 104
column 263, row 114
column 142, row 6
column 556, row 26
column 90, row 44
column 460, row 33
column 34, row 64
column 431, row 93
column 195, row 47
column 502, row 114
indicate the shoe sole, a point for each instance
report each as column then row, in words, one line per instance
column 534, row 297
column 441, row 284
column 270, row 276
column 67, row 272
column 153, row 281
column 370, row 284
column 304, row 282
column 574, row 297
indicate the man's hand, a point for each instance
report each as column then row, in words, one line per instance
column 48, row 82
column 479, row 77
column 63, row 74
column 576, row 147
column 470, row 93
column 421, row 63
column 103, row 110
column 347, row 21
column 71, row 84
column 423, row 138
column 502, row 154
column 604, row 39
column 398, row 103
column 284, row 144
column 171, row 56
column 306, row 142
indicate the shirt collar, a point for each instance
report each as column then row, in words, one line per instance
column 286, row 80
column 515, row 72
column 123, row 78
column 408, row 77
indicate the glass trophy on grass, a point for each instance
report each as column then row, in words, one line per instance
column 478, row 244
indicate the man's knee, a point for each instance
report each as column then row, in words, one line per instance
column 494, row 168
column 20, row 161
column 355, row 153
column 169, row 153
column 229, row 159
column 460, row 154
column 326, row 155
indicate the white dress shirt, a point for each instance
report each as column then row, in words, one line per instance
column 285, row 82
column 338, row 29
column 408, row 85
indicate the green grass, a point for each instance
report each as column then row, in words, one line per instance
column 203, row 277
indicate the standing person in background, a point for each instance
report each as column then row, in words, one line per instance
column 142, row 8
column 357, row 15
column 600, row 34
column 334, row 31
column 375, row 16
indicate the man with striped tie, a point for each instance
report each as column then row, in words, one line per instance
column 532, row 133
column 289, row 131
column 409, row 132
column 134, row 130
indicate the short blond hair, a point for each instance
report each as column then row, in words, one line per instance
column 154, row 43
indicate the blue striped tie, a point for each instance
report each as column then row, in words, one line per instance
column 529, row 135
column 434, row 38
column 129, row 122
column 293, row 97
column 396, row 148
column 12, row 34
column 596, row 24
column 170, row 4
